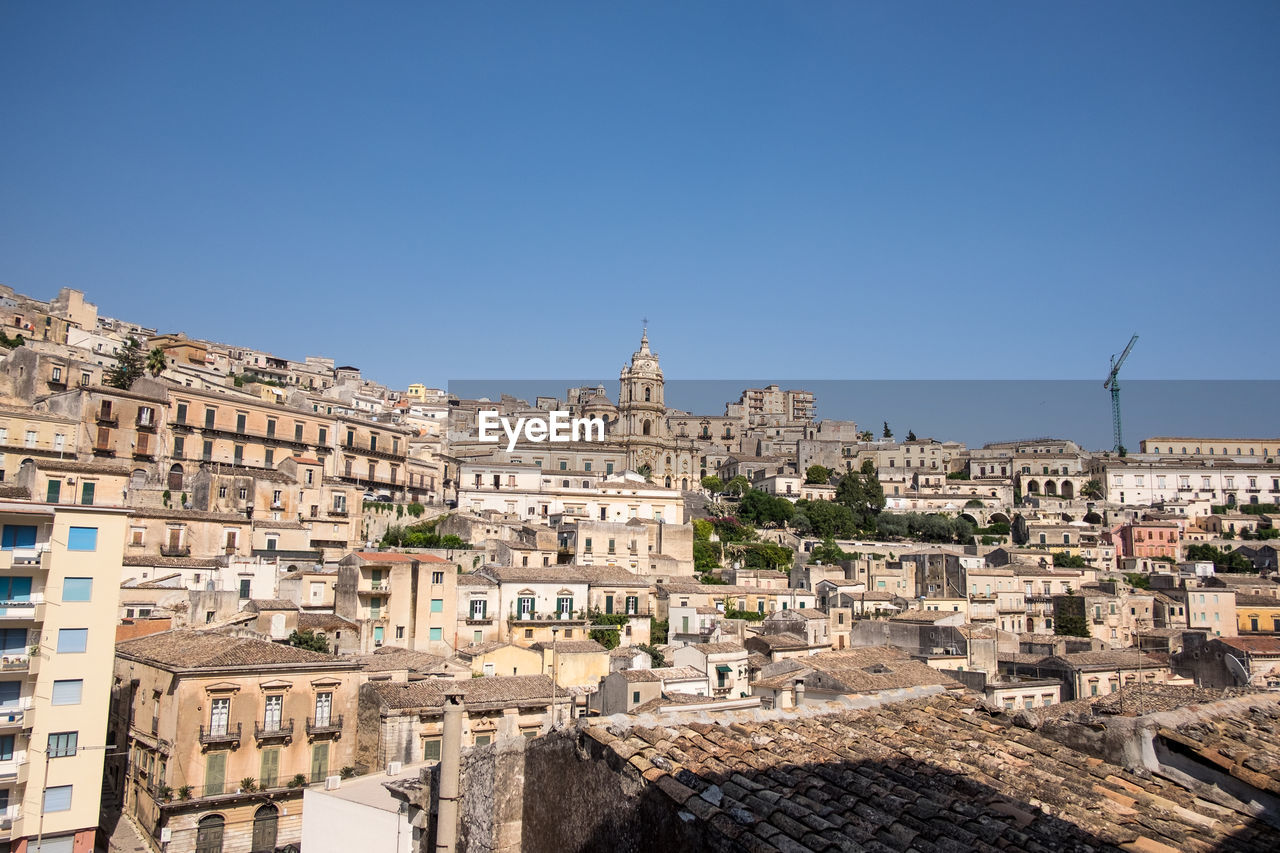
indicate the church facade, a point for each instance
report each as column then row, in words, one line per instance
column 642, row 428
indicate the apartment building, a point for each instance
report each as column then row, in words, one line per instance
column 222, row 734
column 532, row 492
column 1216, row 481
column 1218, row 448
column 60, row 576
column 407, row 600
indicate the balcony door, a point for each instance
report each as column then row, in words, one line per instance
column 219, row 716
column 271, row 718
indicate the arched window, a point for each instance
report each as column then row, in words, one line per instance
column 264, row 829
column 209, row 834
column 645, row 427
column 175, row 478
column 647, row 393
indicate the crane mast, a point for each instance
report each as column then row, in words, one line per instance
column 1113, row 383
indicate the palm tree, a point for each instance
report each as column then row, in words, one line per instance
column 1091, row 490
column 155, row 361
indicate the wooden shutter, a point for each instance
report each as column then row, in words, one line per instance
column 215, row 771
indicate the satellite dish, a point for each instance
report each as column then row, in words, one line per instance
column 1237, row 669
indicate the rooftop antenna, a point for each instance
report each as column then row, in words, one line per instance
column 1113, row 383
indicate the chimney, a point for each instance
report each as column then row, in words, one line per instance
column 799, row 693
column 450, row 770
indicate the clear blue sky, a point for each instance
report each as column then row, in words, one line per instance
column 827, row 190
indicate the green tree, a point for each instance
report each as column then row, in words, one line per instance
column 1223, row 561
column 863, row 494
column 129, row 367
column 866, row 435
column 760, row 508
column 1091, row 490
column 888, row 433
column 800, row 523
column 1063, row 560
column 658, row 633
column 828, row 552
column 712, row 484
column 706, row 555
column 1138, row 580
column 737, row 486
column 607, row 637
column 829, row 519
column 819, row 474
column 1068, row 616
column 659, row 660
column 645, row 470
column 155, row 361
column 308, row 639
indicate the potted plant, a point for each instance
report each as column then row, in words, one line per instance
column 165, row 792
column 184, row 793
column 248, row 784
column 298, row 781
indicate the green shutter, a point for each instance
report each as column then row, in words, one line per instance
column 86, row 497
column 55, row 491
column 608, row 604
column 270, row 774
column 319, row 761
column 215, row 772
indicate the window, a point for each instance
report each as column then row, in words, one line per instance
column 10, row 692
column 431, row 749
column 272, row 713
column 319, row 761
column 57, row 798
column 182, row 413
column 77, row 589
column 269, row 777
column 324, row 708
column 215, row 776
column 219, row 715
column 437, row 635
column 82, row 538
column 437, row 577
column 73, row 641
column 437, row 605
column 483, row 740
column 86, row 496
column 54, row 492
column 6, row 747
column 63, row 744
column 68, row 692
column 479, row 607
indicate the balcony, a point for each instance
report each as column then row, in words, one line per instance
column 332, row 727
column 721, row 691
column 274, row 730
column 379, row 454
column 13, row 718
column 24, row 611
column 107, row 418
column 171, row 551
column 228, row 736
column 479, row 620
column 15, row 663
column 146, row 424
column 103, row 449
column 338, row 512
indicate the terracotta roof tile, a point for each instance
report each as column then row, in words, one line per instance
column 188, row 649
column 487, row 693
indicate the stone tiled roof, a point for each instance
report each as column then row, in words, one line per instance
column 1248, row 599
column 478, row 649
column 188, row 649
column 1254, row 645
column 1111, row 659
column 261, row 604
column 591, row 575
column 806, row 613
column 189, row 515
column 666, row 673
column 571, row 647
column 322, row 621
column 931, row 775
column 781, row 642
column 718, row 648
column 159, row 562
column 488, row 693
column 923, row 615
column 852, row 671
column 668, row 699
column 1244, row 745
column 390, row 658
